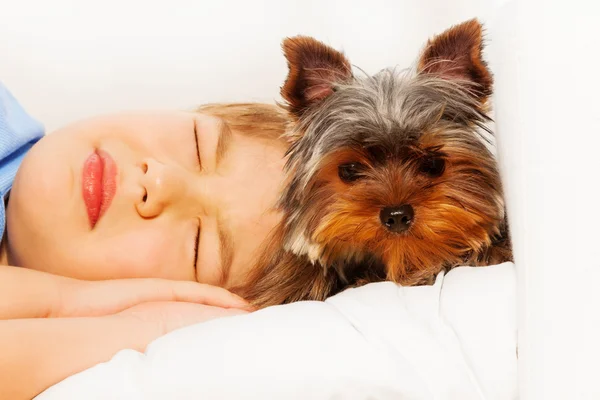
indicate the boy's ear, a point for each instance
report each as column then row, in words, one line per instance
column 456, row 54
column 314, row 69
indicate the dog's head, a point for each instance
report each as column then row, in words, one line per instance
column 391, row 167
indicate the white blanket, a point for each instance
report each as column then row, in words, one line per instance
column 453, row 340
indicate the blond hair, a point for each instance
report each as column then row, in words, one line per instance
column 276, row 276
column 254, row 119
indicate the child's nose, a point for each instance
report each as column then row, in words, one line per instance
column 163, row 185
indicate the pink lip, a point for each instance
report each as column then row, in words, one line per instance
column 99, row 184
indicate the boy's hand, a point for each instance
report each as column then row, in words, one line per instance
column 159, row 318
column 95, row 298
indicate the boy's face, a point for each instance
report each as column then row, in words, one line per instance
column 193, row 200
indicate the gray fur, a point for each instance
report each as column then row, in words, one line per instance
column 387, row 109
column 390, row 111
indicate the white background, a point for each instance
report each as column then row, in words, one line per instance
column 66, row 59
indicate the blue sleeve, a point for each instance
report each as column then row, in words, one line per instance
column 18, row 132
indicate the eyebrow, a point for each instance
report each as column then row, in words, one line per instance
column 225, row 249
column 223, row 142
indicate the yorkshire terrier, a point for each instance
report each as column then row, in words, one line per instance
column 389, row 176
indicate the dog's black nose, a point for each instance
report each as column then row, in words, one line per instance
column 397, row 219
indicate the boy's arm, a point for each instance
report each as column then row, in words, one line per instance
column 25, row 293
column 37, row 353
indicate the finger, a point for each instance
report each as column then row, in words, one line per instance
column 185, row 314
column 168, row 316
column 145, row 290
column 194, row 292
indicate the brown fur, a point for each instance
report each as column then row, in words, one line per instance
column 459, row 216
column 310, row 84
column 461, row 47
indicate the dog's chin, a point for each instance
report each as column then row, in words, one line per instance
column 410, row 258
column 416, row 261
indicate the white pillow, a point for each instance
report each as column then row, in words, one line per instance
column 453, row 340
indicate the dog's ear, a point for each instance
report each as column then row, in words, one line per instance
column 314, row 69
column 456, row 54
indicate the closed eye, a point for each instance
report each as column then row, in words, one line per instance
column 197, row 146
column 196, row 245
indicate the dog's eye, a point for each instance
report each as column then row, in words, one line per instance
column 350, row 172
column 433, row 166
